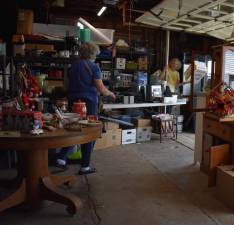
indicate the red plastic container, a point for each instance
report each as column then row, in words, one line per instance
column 80, row 107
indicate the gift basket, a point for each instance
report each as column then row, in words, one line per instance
column 221, row 103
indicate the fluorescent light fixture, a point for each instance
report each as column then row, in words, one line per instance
column 101, row 10
column 80, row 25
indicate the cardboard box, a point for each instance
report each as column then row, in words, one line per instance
column 105, row 141
column 120, row 63
column 128, row 136
column 143, row 134
column 110, row 126
column 139, row 122
column 109, row 139
column 25, row 21
column 225, row 184
column 116, row 137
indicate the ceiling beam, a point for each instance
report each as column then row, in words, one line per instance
column 191, row 21
column 217, row 11
column 196, row 11
column 221, row 19
column 228, row 4
column 181, row 24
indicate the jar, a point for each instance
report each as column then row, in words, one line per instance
column 62, row 104
column 79, row 107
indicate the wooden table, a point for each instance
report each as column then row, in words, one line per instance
column 34, row 181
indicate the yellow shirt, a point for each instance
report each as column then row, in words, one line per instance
column 173, row 78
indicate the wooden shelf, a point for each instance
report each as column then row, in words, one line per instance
column 43, row 59
column 220, row 119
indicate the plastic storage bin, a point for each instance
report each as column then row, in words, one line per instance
column 128, row 136
column 85, row 35
column 143, row 134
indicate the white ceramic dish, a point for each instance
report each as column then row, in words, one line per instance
column 70, row 117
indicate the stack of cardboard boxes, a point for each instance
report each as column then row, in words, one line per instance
column 113, row 136
column 110, row 137
column 143, row 129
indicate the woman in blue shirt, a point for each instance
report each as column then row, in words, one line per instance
column 84, row 84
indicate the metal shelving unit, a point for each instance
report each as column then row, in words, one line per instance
column 6, row 90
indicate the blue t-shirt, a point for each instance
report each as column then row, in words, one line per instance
column 81, row 80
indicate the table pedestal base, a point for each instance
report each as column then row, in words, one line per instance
column 52, row 193
column 18, row 197
column 37, row 184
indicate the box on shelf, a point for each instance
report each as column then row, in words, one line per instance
column 143, row 63
column 125, row 100
column 143, row 134
column 131, row 99
column 131, row 65
column 106, row 65
column 128, row 99
column 120, row 63
column 110, row 126
column 139, row 122
column 128, row 136
column 25, row 21
column 126, row 77
column 106, row 75
column 50, row 85
column 170, row 100
column 225, row 184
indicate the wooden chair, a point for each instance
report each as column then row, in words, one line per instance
column 165, row 127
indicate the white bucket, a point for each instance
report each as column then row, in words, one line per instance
column 180, row 119
column 179, row 127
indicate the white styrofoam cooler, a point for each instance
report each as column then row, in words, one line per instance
column 170, row 100
column 128, row 136
column 180, row 118
column 143, row 134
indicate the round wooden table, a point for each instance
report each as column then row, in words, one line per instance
column 35, row 182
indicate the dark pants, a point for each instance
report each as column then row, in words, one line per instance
column 86, row 149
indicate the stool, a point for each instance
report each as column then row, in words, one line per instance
column 165, row 126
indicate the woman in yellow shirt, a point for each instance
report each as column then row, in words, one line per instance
column 171, row 75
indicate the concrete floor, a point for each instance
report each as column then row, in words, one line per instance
column 139, row 184
column 187, row 139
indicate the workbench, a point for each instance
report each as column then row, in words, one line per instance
column 141, row 105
